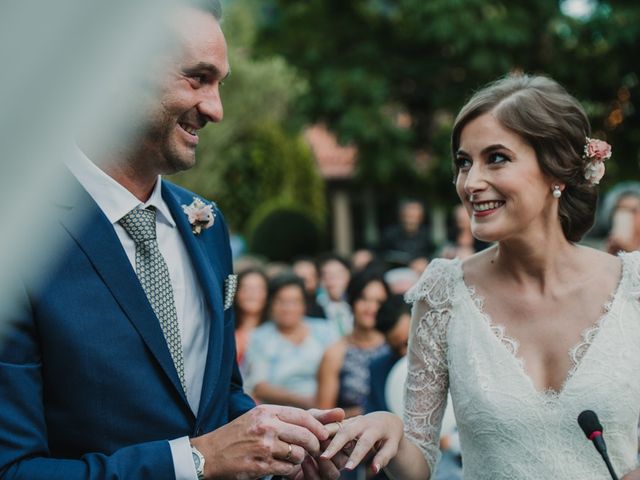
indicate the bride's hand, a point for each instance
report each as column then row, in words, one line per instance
column 634, row 475
column 377, row 432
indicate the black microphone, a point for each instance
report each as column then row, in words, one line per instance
column 590, row 425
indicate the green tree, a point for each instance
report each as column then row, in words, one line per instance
column 263, row 167
column 389, row 75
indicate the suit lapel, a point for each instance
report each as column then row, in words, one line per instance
column 97, row 238
column 208, row 271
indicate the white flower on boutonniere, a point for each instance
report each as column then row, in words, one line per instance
column 200, row 214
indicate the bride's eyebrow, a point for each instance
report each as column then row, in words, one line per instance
column 485, row 150
column 493, row 148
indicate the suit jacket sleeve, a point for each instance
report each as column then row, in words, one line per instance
column 24, row 449
column 239, row 401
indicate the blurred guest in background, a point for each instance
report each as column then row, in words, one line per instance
column 335, row 274
column 419, row 264
column 343, row 378
column 408, row 239
column 400, row 279
column 238, row 245
column 284, row 353
column 361, row 259
column 250, row 307
column 624, row 234
column 246, row 262
column 275, row 269
column 461, row 243
column 306, row 269
column 393, row 321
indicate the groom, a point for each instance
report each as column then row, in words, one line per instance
column 119, row 362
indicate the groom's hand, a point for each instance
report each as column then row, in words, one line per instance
column 315, row 468
column 267, row 440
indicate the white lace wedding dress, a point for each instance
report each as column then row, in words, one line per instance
column 508, row 429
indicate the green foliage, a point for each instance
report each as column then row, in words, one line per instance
column 368, row 62
column 267, row 165
column 256, row 154
column 281, row 232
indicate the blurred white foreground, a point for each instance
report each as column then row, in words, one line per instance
column 64, row 64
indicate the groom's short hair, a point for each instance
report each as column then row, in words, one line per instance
column 214, row 7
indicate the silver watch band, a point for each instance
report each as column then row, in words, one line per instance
column 198, row 462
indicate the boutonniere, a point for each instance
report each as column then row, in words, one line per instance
column 200, row 214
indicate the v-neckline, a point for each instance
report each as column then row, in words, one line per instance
column 510, row 344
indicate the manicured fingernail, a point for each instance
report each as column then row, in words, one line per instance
column 324, row 455
column 349, row 465
column 376, row 468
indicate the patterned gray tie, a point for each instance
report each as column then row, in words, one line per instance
column 153, row 273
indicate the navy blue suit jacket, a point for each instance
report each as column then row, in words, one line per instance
column 88, row 389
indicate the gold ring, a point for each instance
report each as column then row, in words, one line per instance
column 288, row 457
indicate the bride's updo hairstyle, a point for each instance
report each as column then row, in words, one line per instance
column 555, row 125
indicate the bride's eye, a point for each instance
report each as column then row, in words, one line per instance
column 498, row 158
column 462, row 164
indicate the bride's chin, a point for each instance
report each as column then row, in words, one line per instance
column 485, row 236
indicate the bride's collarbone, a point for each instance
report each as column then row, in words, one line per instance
column 538, row 317
column 547, row 329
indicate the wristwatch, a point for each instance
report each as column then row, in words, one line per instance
column 198, row 462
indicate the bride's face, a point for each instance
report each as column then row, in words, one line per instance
column 500, row 182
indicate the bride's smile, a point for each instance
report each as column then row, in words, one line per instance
column 501, row 184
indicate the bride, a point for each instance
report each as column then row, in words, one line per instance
column 529, row 333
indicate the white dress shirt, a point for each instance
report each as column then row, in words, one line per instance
column 116, row 201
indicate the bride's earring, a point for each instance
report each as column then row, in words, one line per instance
column 557, row 193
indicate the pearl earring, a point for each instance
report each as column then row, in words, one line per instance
column 557, row 193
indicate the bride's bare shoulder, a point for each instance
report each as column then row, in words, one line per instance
column 601, row 263
column 478, row 264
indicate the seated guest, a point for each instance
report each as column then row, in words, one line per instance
column 408, row 239
column 335, row 274
column 393, row 320
column 343, row 378
column 250, row 306
column 460, row 242
column 400, row 280
column 284, row 353
column 361, row 259
column 419, row 264
column 624, row 234
column 307, row 270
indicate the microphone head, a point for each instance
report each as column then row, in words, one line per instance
column 589, row 423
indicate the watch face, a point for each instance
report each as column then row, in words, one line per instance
column 196, row 460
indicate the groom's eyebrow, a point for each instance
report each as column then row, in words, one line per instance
column 208, row 68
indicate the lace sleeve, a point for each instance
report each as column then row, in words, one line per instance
column 428, row 377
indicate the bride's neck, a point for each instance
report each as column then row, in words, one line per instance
column 542, row 263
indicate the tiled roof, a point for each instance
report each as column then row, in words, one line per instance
column 335, row 162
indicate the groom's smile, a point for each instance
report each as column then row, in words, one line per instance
column 189, row 95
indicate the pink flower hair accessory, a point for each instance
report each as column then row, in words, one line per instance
column 200, row 214
column 595, row 152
